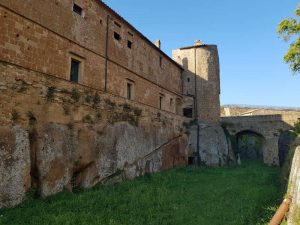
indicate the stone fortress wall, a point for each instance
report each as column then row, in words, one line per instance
column 45, row 35
column 122, row 118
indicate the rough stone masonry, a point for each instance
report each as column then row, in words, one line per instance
column 85, row 98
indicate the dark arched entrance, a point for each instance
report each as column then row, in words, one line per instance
column 250, row 145
column 284, row 141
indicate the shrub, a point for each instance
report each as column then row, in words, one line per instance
column 75, row 95
column 88, row 98
column 96, row 99
column 126, row 108
column 110, row 103
column 66, row 110
column 15, row 116
column 50, row 93
column 98, row 115
column 70, row 126
column 87, row 119
column 137, row 111
column 297, row 127
column 31, row 116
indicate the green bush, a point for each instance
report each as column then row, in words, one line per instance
column 50, row 93
column 297, row 127
column 15, row 116
column 75, row 95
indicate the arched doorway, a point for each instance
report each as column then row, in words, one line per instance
column 250, row 145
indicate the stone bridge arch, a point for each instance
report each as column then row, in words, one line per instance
column 269, row 127
column 250, row 144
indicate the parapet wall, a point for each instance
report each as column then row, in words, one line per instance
column 56, row 134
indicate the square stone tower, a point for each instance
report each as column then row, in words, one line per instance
column 201, row 81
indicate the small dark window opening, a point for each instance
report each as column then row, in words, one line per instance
column 129, row 44
column 117, row 36
column 188, row 79
column 77, row 9
column 171, row 101
column 191, row 160
column 129, row 91
column 74, row 74
column 160, row 61
column 117, row 24
column 74, row 181
column 188, row 112
column 131, row 34
column 160, row 102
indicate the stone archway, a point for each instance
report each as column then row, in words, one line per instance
column 250, row 145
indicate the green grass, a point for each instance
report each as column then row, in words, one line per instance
column 185, row 196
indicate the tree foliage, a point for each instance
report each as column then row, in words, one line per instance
column 290, row 29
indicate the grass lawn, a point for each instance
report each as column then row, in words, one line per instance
column 185, row 196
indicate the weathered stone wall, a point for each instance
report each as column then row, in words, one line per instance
column 294, row 190
column 45, row 35
column 211, row 145
column 14, row 165
column 54, row 131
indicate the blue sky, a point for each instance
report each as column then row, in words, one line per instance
column 251, row 53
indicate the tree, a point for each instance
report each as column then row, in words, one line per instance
column 290, row 29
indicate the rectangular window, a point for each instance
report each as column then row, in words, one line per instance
column 171, row 102
column 74, row 74
column 188, row 112
column 129, row 91
column 117, row 24
column 117, row 36
column 160, row 61
column 129, row 44
column 160, row 101
column 77, row 9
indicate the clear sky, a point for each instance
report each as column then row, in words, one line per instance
column 251, row 53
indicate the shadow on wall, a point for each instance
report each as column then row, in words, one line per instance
column 201, row 91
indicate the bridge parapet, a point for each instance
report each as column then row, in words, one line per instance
column 256, row 118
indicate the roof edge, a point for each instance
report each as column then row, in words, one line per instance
column 139, row 33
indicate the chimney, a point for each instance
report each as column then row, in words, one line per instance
column 198, row 43
column 157, row 43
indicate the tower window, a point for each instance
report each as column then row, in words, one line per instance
column 188, row 79
column 129, row 44
column 160, row 61
column 188, row 112
column 117, row 36
column 75, row 68
column 129, row 91
column 77, row 9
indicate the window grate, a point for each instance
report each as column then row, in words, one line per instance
column 74, row 183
